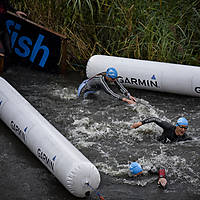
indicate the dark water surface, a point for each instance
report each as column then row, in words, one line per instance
column 101, row 131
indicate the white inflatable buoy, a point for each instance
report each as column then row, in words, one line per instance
column 149, row 75
column 62, row 159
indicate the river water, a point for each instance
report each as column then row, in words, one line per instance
column 100, row 129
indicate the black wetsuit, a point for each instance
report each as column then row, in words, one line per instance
column 169, row 131
column 99, row 82
column 5, row 47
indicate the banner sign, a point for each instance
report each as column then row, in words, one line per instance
column 34, row 44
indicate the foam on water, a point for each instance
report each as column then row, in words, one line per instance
column 101, row 130
column 87, row 132
column 105, row 132
column 65, row 93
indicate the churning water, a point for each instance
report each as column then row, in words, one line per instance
column 100, row 129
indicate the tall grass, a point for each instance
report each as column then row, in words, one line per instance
column 160, row 30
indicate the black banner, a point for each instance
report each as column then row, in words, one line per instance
column 33, row 44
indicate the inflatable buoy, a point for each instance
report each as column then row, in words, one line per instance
column 149, row 75
column 62, row 159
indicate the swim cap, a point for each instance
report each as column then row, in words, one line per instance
column 182, row 122
column 111, row 72
column 135, row 168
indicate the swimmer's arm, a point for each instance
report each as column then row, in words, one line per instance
column 125, row 92
column 159, row 122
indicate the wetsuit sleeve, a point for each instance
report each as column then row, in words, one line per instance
column 168, row 128
column 123, row 90
column 108, row 90
column 162, row 124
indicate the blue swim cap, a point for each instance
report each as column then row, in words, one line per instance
column 135, row 168
column 111, row 73
column 182, row 122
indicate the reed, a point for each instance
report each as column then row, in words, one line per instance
column 158, row 30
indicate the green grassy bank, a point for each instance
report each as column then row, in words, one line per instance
column 158, row 30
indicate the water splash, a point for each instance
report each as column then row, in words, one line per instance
column 103, row 129
column 65, row 93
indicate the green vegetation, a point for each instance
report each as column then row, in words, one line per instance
column 159, row 30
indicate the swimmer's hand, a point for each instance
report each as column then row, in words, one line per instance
column 129, row 101
column 162, row 182
column 132, row 98
column 136, row 125
column 21, row 14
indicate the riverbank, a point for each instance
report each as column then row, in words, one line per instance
column 149, row 30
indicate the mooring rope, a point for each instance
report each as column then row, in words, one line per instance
column 97, row 193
